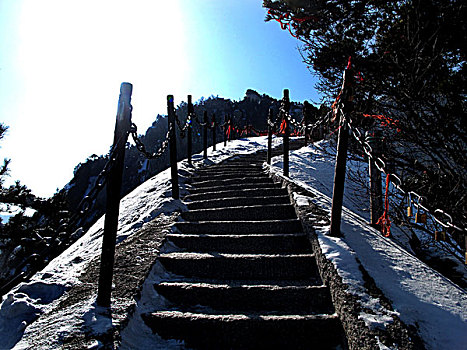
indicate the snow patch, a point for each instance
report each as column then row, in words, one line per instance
column 16, row 312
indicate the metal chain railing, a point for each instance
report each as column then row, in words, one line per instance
column 140, row 146
column 324, row 120
column 397, row 182
column 185, row 127
column 86, row 203
column 292, row 121
column 199, row 122
column 437, row 215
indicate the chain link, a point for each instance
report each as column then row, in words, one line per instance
column 201, row 123
column 185, row 127
column 381, row 165
column 140, row 146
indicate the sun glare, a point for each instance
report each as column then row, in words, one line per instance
column 73, row 57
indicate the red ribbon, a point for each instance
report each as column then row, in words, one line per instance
column 384, row 221
column 283, row 126
column 385, row 121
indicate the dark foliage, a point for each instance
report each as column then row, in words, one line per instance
column 29, row 241
column 409, row 59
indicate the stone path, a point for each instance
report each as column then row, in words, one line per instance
column 242, row 272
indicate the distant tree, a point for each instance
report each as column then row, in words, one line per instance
column 27, row 241
column 6, row 162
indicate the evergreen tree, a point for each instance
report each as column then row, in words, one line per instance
column 33, row 236
column 409, row 60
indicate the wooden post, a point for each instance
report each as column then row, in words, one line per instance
column 269, row 156
column 465, row 244
column 173, row 147
column 226, row 118
column 114, row 186
column 205, row 135
column 286, row 105
column 213, row 131
column 306, row 121
column 376, row 197
column 341, row 157
column 339, row 179
column 189, row 130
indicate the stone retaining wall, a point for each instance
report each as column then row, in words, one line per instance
column 348, row 307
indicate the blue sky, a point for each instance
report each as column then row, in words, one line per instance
column 62, row 62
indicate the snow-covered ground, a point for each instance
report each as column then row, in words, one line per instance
column 43, row 292
column 420, row 296
column 9, row 210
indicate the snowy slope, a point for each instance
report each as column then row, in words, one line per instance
column 26, row 302
column 420, row 296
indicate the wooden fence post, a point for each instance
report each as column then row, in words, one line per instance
column 307, row 121
column 376, row 197
column 214, row 131
column 226, row 118
column 189, row 130
column 173, row 147
column 286, row 147
column 341, row 157
column 114, row 187
column 269, row 156
column 465, row 244
column 205, row 135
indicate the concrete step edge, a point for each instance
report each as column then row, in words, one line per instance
column 262, row 235
column 243, row 316
column 184, row 284
column 216, row 255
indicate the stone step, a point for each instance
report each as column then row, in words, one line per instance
column 240, row 266
column 257, row 212
column 237, row 201
column 247, row 244
column 248, row 331
column 234, row 187
column 250, row 297
column 231, row 181
column 200, row 177
column 251, row 192
column 247, row 161
column 240, row 227
column 232, row 166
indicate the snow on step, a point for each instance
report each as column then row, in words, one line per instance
column 255, row 192
column 240, row 227
column 226, row 175
column 249, row 297
column 247, row 331
column 253, row 243
column 233, row 166
column 237, row 201
column 240, row 266
column 233, row 187
column 257, row 212
column 239, row 272
column 231, row 181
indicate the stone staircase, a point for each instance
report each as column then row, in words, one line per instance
column 240, row 272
